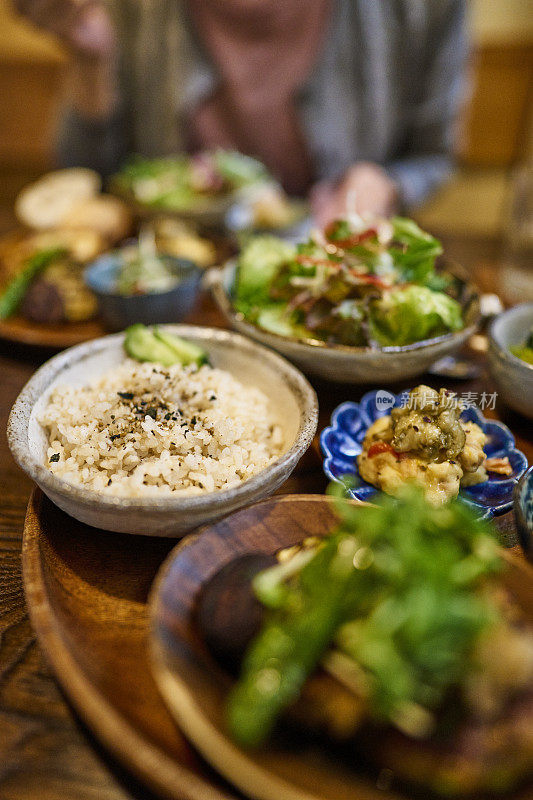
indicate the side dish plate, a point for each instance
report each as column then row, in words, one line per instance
column 342, row 442
column 195, row 688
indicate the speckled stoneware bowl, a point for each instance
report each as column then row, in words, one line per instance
column 292, row 399
column 523, row 509
column 512, row 376
column 336, row 362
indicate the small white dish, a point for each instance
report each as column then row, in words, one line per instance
column 512, row 376
column 292, row 399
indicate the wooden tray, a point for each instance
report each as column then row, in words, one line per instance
column 87, row 597
column 86, row 593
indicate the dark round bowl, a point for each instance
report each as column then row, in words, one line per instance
column 523, row 509
column 118, row 311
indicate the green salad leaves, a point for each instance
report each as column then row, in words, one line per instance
column 259, row 262
column 409, row 315
column 354, row 285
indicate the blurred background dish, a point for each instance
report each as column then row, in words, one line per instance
column 200, row 188
column 103, row 213
column 68, row 223
column 131, row 286
column 176, row 237
column 512, row 375
column 45, row 203
column 43, row 298
column 71, row 199
column 266, row 207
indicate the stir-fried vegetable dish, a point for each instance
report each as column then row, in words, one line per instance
column 426, row 442
column 392, row 632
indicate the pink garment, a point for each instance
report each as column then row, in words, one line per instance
column 264, row 51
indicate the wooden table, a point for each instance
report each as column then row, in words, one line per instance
column 45, row 752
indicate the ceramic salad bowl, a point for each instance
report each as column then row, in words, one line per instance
column 342, row 442
column 344, row 363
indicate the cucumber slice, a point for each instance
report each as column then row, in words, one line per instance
column 185, row 352
column 141, row 344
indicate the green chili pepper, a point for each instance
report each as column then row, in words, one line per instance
column 14, row 293
column 293, row 641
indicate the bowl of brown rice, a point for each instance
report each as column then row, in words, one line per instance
column 147, row 449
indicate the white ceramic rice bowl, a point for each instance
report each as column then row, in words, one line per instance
column 292, row 400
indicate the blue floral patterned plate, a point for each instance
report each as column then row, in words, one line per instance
column 342, row 442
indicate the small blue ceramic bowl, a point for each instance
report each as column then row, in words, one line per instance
column 118, row 311
column 523, row 509
column 342, row 442
column 512, row 376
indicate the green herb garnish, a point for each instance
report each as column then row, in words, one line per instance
column 396, row 589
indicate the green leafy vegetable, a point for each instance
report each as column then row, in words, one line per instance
column 14, row 293
column 339, row 230
column 258, row 263
column 396, row 589
column 416, row 257
column 403, row 316
column 351, row 281
column 275, row 319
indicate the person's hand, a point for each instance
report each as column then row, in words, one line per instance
column 364, row 189
column 84, row 26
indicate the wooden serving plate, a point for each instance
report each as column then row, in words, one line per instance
column 87, row 596
column 290, row 766
column 54, row 337
column 86, row 592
